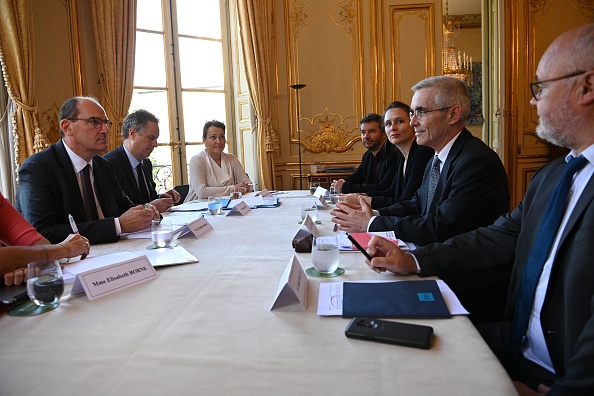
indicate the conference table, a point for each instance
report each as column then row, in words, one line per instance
column 208, row 328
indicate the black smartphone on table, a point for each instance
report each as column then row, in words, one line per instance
column 397, row 333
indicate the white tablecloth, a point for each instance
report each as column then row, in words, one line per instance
column 207, row 328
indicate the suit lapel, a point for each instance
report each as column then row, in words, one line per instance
column 129, row 173
column 583, row 202
column 71, row 179
column 452, row 155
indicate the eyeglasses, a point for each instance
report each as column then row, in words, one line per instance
column 421, row 112
column 537, row 89
column 97, row 122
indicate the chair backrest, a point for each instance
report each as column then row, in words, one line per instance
column 182, row 189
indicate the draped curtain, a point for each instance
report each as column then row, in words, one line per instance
column 114, row 25
column 17, row 54
column 256, row 23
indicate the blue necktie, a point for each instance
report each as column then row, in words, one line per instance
column 539, row 254
column 433, row 180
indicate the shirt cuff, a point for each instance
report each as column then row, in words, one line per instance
column 371, row 221
column 118, row 227
column 416, row 262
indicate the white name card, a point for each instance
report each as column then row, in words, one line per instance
column 239, row 210
column 292, row 287
column 103, row 280
column 265, row 194
column 197, row 228
column 311, row 226
column 322, row 201
column 320, row 192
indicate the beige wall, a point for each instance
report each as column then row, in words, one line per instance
column 355, row 58
column 65, row 56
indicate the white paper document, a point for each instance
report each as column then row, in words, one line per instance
column 330, row 298
column 345, row 245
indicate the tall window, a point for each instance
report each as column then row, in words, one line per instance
column 181, row 75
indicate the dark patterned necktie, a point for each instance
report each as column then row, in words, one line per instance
column 142, row 183
column 433, row 180
column 553, row 215
column 88, row 195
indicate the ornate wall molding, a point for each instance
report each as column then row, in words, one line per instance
column 328, row 132
column 344, row 14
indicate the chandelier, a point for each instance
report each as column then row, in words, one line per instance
column 457, row 65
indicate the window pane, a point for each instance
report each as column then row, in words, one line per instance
column 201, row 64
column 154, row 101
column 200, row 107
column 149, row 15
column 149, row 70
column 199, row 18
column 162, row 172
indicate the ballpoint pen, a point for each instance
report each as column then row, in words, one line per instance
column 72, row 224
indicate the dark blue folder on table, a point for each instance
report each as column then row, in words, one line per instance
column 403, row 299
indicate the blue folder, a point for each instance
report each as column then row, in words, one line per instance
column 404, row 299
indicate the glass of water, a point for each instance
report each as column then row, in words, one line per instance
column 215, row 205
column 325, row 255
column 309, row 207
column 313, row 186
column 161, row 233
column 45, row 286
column 334, row 193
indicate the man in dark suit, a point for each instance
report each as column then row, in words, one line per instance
column 130, row 161
column 70, row 177
column 470, row 185
column 547, row 340
column 376, row 171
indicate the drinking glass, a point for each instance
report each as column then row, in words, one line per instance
column 45, row 286
column 309, row 207
column 313, row 186
column 325, row 255
column 161, row 233
column 215, row 205
column 236, row 192
column 334, row 192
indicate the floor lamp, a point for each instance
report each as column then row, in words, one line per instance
column 297, row 87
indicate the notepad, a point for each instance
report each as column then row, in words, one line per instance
column 405, row 299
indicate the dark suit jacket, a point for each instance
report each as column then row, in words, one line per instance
column 472, row 192
column 125, row 175
column 567, row 316
column 362, row 179
column 48, row 192
column 405, row 185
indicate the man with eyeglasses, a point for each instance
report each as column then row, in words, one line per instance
column 71, row 178
column 377, row 169
column 546, row 341
column 133, row 169
column 464, row 187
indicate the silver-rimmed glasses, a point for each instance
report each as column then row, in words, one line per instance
column 419, row 113
column 536, row 88
column 96, row 121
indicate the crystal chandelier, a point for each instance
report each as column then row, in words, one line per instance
column 454, row 65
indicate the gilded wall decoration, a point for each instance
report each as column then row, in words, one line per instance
column 301, row 16
column 344, row 14
column 586, row 8
column 538, row 8
column 50, row 124
column 328, row 132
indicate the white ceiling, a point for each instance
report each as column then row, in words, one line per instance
column 456, row 7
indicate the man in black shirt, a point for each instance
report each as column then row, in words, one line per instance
column 376, row 171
